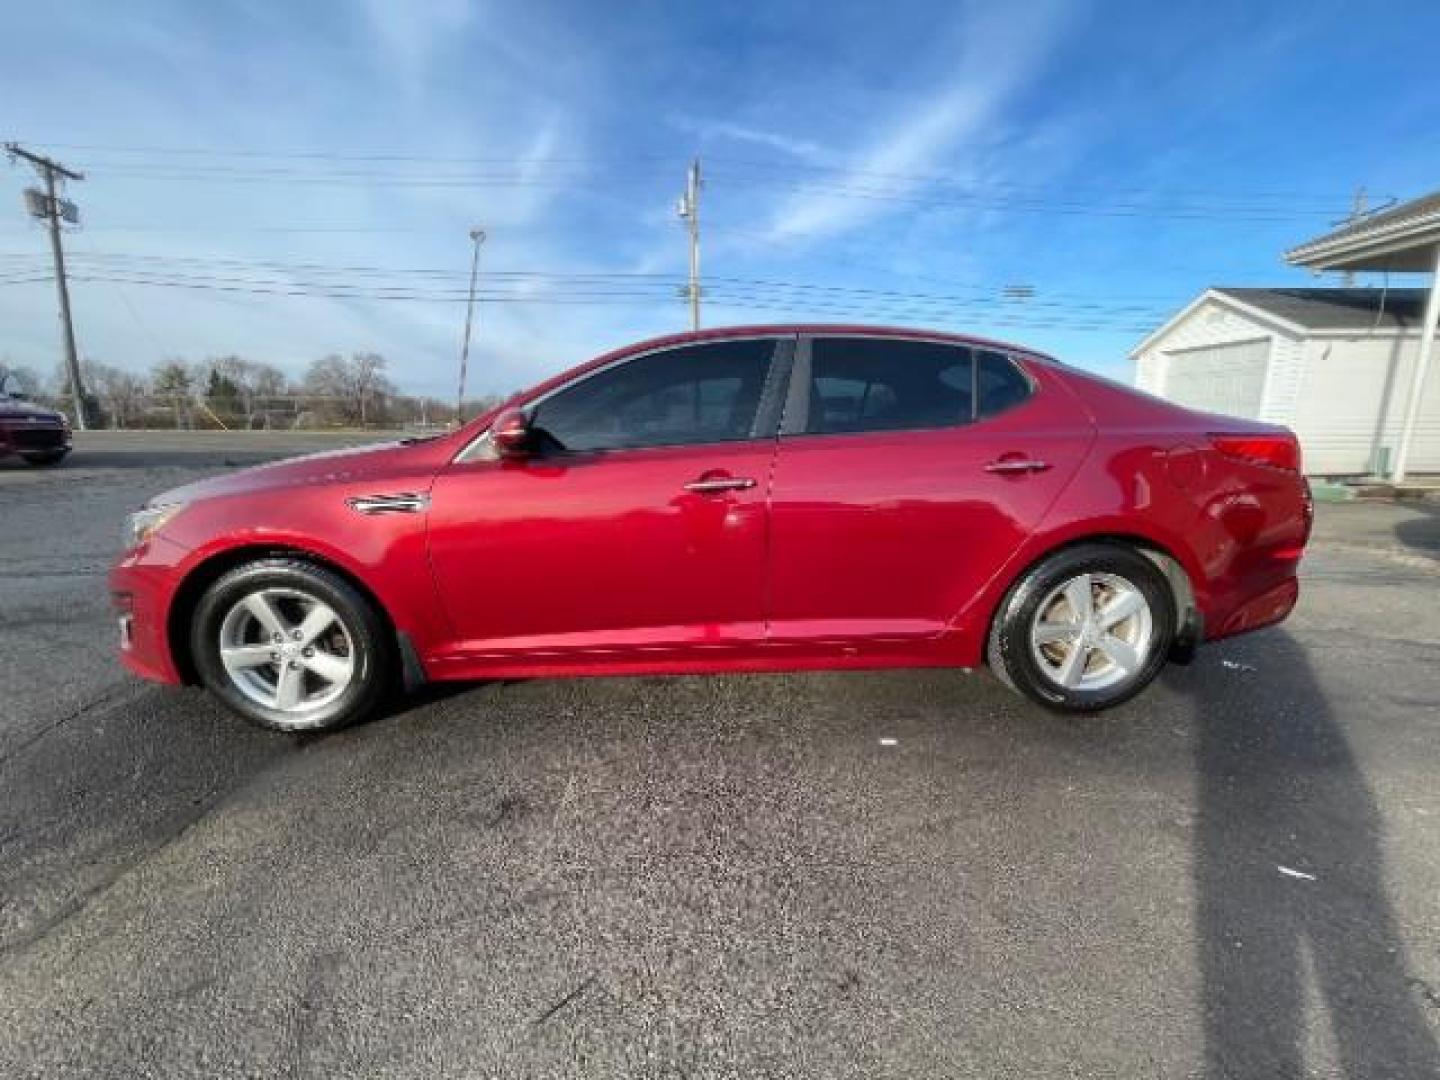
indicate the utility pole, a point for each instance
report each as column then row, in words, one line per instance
column 50, row 207
column 689, row 210
column 1357, row 211
column 477, row 237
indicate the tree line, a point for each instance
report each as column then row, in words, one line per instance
column 237, row 392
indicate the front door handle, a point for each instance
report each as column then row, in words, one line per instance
column 708, row 485
column 1017, row 465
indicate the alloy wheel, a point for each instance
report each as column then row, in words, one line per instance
column 1092, row 632
column 286, row 650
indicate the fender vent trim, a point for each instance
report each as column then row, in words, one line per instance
column 404, row 502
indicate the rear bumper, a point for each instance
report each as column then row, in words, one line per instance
column 1265, row 608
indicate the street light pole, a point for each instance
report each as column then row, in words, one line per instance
column 477, row 237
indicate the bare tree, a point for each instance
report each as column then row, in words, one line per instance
column 266, row 380
column 371, row 385
column 121, row 393
column 173, row 381
column 356, row 387
column 25, row 379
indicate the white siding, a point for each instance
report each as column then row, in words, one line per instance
column 1282, row 387
column 1150, row 371
column 1216, row 324
column 1228, row 378
column 1352, row 402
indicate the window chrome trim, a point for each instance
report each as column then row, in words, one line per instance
column 796, row 417
column 473, row 449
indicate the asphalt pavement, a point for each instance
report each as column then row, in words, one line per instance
column 898, row 874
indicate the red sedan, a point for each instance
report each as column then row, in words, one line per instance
column 750, row 499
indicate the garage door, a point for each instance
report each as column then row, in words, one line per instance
column 1227, row 379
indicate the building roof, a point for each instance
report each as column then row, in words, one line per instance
column 1302, row 311
column 1401, row 238
column 1338, row 309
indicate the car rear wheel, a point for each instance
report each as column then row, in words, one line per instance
column 1085, row 629
column 292, row 646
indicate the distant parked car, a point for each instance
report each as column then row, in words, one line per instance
column 756, row 499
column 38, row 435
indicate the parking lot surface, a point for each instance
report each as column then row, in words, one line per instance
column 868, row 875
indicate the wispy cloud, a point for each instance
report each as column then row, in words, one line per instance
column 999, row 56
column 410, row 33
column 713, row 131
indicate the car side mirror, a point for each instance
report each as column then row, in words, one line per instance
column 510, row 435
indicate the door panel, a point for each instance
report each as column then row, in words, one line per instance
column 617, row 533
column 892, row 533
column 603, row 551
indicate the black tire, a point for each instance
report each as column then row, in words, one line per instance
column 1010, row 653
column 48, row 457
column 372, row 651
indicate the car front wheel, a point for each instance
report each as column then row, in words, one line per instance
column 1085, row 629
column 48, row 457
column 292, row 646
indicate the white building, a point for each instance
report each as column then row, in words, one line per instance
column 1348, row 369
column 1334, row 365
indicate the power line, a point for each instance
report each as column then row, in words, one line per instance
column 901, row 188
column 521, row 285
column 149, row 262
column 786, row 167
column 740, row 299
column 659, row 280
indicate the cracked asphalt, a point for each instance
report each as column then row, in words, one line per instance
column 1236, row 875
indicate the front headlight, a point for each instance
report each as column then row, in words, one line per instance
column 141, row 525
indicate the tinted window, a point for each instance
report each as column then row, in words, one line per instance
column 1000, row 384
column 875, row 384
column 693, row 394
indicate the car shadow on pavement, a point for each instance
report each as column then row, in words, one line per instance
column 151, row 459
column 1421, row 533
column 1290, row 884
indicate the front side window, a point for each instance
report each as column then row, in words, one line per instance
column 881, row 384
column 704, row 393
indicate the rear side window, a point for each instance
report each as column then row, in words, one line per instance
column 879, row 384
column 1000, row 385
column 704, row 393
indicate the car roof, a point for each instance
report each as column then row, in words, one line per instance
column 720, row 333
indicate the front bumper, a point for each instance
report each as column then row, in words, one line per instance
column 141, row 595
column 31, row 438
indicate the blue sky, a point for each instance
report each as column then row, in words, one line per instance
column 898, row 162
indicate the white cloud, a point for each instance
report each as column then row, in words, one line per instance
column 997, row 57
column 726, row 130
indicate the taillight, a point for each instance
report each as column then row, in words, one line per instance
column 1280, row 451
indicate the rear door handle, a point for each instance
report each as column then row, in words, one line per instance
column 708, row 485
column 1017, row 465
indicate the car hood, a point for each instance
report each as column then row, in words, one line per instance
column 383, row 462
column 17, row 410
